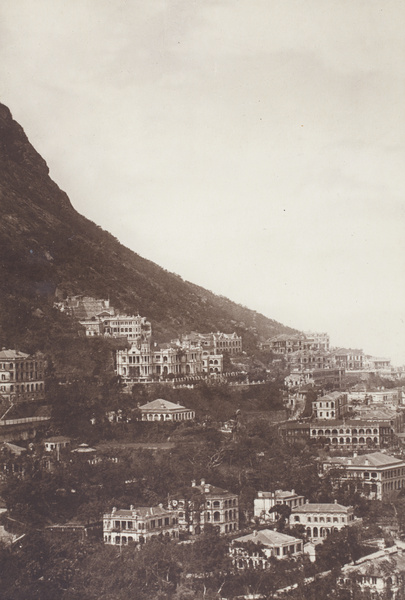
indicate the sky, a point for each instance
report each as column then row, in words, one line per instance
column 254, row 147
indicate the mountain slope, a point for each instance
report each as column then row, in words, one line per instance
column 47, row 246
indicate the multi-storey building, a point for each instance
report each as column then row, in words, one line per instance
column 351, row 360
column 266, row 501
column 213, row 364
column 321, row 519
column 205, row 503
column 163, row 410
column 214, row 343
column 288, row 343
column 331, row 406
column 134, row 328
column 142, row 363
column 374, row 475
column 21, row 376
column 256, row 549
column 122, row 527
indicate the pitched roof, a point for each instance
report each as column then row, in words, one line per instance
column 375, row 459
column 162, row 406
column 12, row 354
column 141, row 511
column 321, row 508
column 267, row 537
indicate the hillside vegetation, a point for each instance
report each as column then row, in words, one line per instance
column 47, row 247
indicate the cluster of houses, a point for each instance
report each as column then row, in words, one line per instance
column 311, row 359
column 193, row 355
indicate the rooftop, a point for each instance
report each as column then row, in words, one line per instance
column 321, row 508
column 267, row 537
column 375, row 459
column 162, row 405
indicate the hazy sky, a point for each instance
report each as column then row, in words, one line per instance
column 255, row 147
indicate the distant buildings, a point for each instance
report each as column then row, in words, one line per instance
column 122, row 527
column 163, row 410
column 214, row 343
column 256, row 549
column 321, row 519
column 266, row 501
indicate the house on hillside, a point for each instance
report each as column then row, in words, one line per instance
column 255, row 549
column 163, row 410
column 122, row 527
column 321, row 519
column 382, row 573
column 266, row 501
column 374, row 475
column 204, row 504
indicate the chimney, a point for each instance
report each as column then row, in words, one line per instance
column 292, row 492
column 193, row 483
column 202, row 481
column 131, row 507
column 335, row 501
column 255, row 533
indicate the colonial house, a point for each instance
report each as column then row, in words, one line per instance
column 349, row 359
column 255, row 549
column 141, row 363
column 374, row 475
column 205, row 504
column 266, row 501
column 331, row 406
column 382, row 573
column 122, row 527
column 321, row 519
column 372, row 431
column 21, row 376
column 163, row 410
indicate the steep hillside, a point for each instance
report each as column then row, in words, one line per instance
column 46, row 245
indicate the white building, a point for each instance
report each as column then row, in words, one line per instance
column 122, row 527
column 163, row 410
column 265, row 501
column 255, row 549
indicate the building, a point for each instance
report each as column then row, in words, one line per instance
column 391, row 397
column 382, row 573
column 21, row 376
column 141, row 363
column 134, row 328
column 163, row 410
column 213, row 364
column 255, row 549
column 206, row 504
column 295, row 431
column 56, row 443
column 320, row 520
column 137, row 525
column 214, row 343
column 349, row 359
column 265, row 502
column 331, row 406
column 374, row 475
